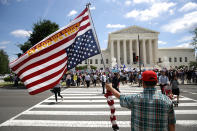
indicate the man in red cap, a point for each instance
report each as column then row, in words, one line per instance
column 151, row 110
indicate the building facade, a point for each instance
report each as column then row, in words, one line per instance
column 172, row 57
column 124, row 47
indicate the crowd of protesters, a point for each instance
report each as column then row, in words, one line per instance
column 99, row 78
column 133, row 77
column 168, row 80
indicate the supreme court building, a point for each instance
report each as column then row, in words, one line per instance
column 123, row 48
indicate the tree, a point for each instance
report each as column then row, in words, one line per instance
column 81, row 67
column 193, row 64
column 93, row 67
column 194, row 41
column 85, row 67
column 4, row 68
column 24, row 47
column 41, row 29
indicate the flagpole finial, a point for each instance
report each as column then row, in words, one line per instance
column 88, row 4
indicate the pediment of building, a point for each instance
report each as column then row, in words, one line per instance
column 134, row 30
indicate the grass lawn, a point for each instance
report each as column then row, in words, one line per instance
column 9, row 84
column 6, row 84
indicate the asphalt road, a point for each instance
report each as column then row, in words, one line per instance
column 82, row 110
column 13, row 101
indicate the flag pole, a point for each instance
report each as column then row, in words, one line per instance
column 88, row 5
column 139, row 55
column 113, row 119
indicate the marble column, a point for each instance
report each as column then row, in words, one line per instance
column 144, row 51
column 112, row 49
column 150, row 51
column 125, row 52
column 131, row 51
column 155, row 50
column 118, row 52
column 137, row 48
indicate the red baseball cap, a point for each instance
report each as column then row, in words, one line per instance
column 149, row 76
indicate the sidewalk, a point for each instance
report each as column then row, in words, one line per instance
column 21, row 86
column 121, row 85
column 185, row 82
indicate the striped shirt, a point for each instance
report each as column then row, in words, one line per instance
column 151, row 111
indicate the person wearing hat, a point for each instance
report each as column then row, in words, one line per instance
column 151, row 110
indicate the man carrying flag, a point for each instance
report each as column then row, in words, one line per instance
column 43, row 65
column 151, row 110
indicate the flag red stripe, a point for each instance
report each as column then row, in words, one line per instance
column 40, row 62
column 50, row 63
column 82, row 13
column 50, row 48
column 46, row 87
column 45, row 78
column 44, row 70
column 84, row 18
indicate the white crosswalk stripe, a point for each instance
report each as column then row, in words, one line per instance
column 96, row 100
column 89, row 124
column 118, row 113
column 90, row 105
column 97, row 106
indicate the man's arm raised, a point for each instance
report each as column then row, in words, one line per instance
column 113, row 91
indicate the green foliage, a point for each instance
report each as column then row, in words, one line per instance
column 6, row 84
column 24, row 47
column 193, row 64
column 93, row 67
column 194, row 41
column 182, row 66
column 81, row 67
column 7, row 79
column 4, row 62
column 41, row 29
column 85, row 67
column 19, row 54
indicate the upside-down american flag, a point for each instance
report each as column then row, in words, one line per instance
column 42, row 66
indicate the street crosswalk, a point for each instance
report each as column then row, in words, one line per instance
column 87, row 108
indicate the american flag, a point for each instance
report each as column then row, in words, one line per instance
column 84, row 47
column 43, row 66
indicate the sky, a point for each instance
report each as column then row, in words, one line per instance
column 174, row 19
